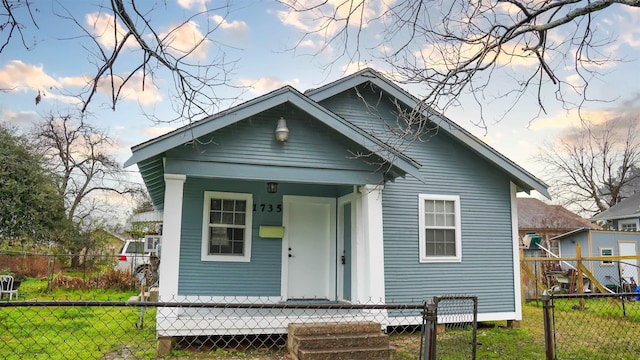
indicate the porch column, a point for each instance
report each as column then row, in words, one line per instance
column 517, row 287
column 171, row 231
column 369, row 246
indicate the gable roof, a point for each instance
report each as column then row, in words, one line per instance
column 627, row 208
column 157, row 146
column 535, row 214
column 522, row 178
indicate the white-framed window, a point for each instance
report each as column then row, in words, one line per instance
column 440, row 230
column 628, row 225
column 606, row 251
column 226, row 228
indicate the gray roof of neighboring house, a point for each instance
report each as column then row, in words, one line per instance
column 535, row 214
column 629, row 207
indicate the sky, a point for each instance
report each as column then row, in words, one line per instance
column 260, row 38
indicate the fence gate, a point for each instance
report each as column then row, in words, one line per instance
column 449, row 328
column 591, row 326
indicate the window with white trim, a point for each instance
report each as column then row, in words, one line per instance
column 440, row 230
column 606, row 251
column 226, row 229
column 628, row 225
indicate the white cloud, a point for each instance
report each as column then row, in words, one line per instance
column 360, row 13
column 446, row 56
column 19, row 118
column 19, row 76
column 106, row 30
column 237, row 28
column 572, row 118
column 266, row 84
column 352, row 67
column 186, row 39
column 133, row 89
column 157, row 131
column 200, row 5
column 308, row 43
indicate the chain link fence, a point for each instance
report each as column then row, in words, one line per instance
column 234, row 327
column 81, row 271
column 449, row 328
column 581, row 326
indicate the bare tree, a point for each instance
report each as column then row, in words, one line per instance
column 79, row 154
column 595, row 166
column 456, row 47
column 131, row 30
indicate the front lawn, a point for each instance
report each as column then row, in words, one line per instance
column 78, row 332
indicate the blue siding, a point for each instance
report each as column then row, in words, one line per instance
column 568, row 245
column 448, row 168
column 261, row 276
column 605, row 274
column 251, row 141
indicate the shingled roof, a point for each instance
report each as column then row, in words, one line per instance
column 535, row 214
column 629, row 207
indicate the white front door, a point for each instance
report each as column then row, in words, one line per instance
column 628, row 268
column 308, row 262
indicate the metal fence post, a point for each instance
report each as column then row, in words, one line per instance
column 547, row 309
column 428, row 336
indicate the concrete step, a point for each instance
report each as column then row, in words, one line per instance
column 330, row 341
column 383, row 353
column 334, row 328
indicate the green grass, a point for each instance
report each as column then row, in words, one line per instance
column 494, row 341
column 597, row 332
column 84, row 332
column 34, row 289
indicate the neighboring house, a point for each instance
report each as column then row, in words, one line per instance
column 148, row 222
column 107, row 243
column 604, row 243
column 341, row 211
column 622, row 216
column 547, row 221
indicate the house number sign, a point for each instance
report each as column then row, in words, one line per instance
column 267, row 207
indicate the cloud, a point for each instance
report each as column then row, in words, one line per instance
column 308, row 43
column 571, row 118
column 331, row 16
column 447, row 56
column 266, row 84
column 19, row 118
column 616, row 120
column 237, row 29
column 19, row 76
column 157, row 131
column 200, row 5
column 106, row 30
column 186, row 40
column 133, row 89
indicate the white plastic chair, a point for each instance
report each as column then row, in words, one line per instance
column 6, row 286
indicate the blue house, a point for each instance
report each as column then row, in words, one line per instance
column 623, row 216
column 604, row 243
column 343, row 203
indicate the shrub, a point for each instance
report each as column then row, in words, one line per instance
column 109, row 279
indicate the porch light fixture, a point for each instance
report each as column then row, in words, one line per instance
column 272, row 187
column 282, row 132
